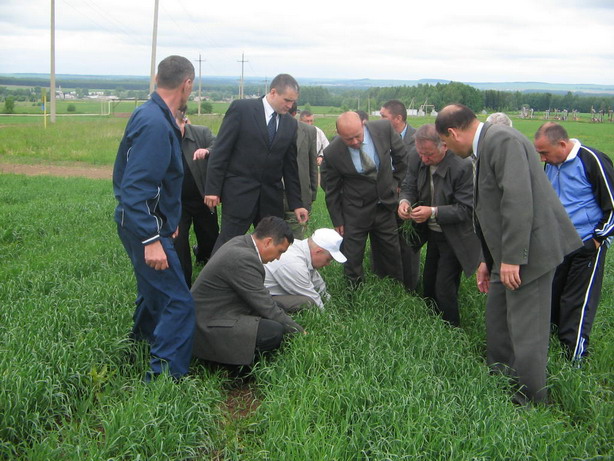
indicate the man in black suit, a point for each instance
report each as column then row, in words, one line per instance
column 255, row 149
column 396, row 112
column 442, row 186
column 362, row 192
column 196, row 144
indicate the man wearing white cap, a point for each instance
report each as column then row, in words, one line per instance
column 293, row 280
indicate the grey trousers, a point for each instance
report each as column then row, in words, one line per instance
column 517, row 333
column 293, row 303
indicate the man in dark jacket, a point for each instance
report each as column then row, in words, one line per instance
column 147, row 179
column 365, row 165
column 196, row 146
column 256, row 149
column 442, row 185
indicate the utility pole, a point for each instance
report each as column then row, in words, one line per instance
column 200, row 81
column 154, row 40
column 242, row 61
column 52, row 71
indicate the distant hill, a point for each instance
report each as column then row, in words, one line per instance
column 142, row 82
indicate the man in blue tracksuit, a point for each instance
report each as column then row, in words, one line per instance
column 583, row 178
column 147, row 180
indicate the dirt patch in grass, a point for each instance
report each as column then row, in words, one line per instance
column 92, row 172
column 241, row 401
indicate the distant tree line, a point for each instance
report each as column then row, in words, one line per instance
column 442, row 94
column 438, row 95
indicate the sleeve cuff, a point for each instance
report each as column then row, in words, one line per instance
column 151, row 239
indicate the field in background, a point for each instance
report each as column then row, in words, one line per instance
column 94, row 140
column 377, row 377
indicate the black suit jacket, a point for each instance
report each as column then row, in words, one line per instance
column 197, row 137
column 245, row 171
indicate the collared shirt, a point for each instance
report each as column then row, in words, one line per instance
column 368, row 147
column 402, row 133
column 321, row 141
column 293, row 274
column 257, row 250
column 476, row 138
column 268, row 112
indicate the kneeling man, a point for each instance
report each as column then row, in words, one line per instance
column 293, row 280
column 235, row 314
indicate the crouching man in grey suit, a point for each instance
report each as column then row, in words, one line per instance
column 235, row 314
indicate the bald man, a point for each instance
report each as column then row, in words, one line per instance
column 362, row 192
column 583, row 178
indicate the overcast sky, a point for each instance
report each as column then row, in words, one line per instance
column 555, row 41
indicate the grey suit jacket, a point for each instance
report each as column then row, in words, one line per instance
column 453, row 182
column 197, row 137
column 350, row 194
column 521, row 218
column 230, row 299
column 408, row 139
column 306, row 156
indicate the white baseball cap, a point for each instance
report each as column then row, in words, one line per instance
column 329, row 240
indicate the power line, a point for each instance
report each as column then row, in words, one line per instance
column 83, row 14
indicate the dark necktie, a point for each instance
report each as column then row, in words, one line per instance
column 272, row 126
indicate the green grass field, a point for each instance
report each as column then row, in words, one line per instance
column 378, row 377
column 94, row 140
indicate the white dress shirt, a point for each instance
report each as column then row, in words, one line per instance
column 293, row 274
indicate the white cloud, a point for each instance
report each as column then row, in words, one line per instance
column 557, row 41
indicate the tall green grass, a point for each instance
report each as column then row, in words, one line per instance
column 70, row 381
column 378, row 376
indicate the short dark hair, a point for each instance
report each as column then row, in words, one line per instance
column 396, row 107
column 173, row 71
column 428, row 133
column 274, row 227
column 305, row 113
column 284, row 81
column 553, row 131
column 364, row 117
column 454, row 116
